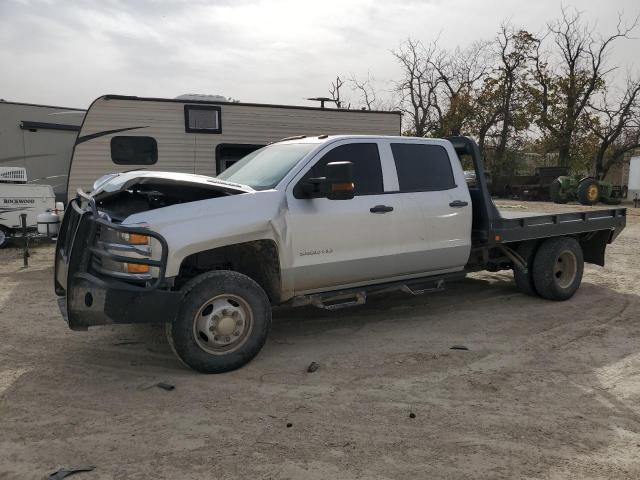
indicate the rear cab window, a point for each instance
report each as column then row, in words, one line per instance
column 367, row 170
column 422, row 167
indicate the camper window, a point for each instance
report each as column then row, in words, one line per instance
column 134, row 150
column 202, row 119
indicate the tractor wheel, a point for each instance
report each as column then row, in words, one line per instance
column 588, row 192
column 555, row 192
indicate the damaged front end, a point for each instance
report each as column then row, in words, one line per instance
column 108, row 272
column 102, row 282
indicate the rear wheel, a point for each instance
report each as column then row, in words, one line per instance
column 558, row 268
column 524, row 281
column 588, row 192
column 223, row 322
column 5, row 233
column 555, row 192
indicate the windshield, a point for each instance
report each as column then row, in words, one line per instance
column 264, row 168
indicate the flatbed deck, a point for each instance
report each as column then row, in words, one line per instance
column 517, row 226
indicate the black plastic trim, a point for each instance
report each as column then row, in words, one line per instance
column 27, row 125
column 91, row 136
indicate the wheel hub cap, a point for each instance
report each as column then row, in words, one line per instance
column 592, row 192
column 565, row 269
column 222, row 324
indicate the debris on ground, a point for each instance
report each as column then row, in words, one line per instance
column 459, row 347
column 412, row 415
column 165, row 386
column 289, row 425
column 313, row 366
column 65, row 472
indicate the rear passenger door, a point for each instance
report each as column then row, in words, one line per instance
column 433, row 192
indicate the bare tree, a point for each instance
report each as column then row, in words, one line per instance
column 616, row 124
column 366, row 90
column 417, row 87
column 459, row 74
column 514, row 50
column 335, row 91
column 564, row 91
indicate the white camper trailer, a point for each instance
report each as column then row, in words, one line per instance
column 18, row 197
column 122, row 133
column 39, row 138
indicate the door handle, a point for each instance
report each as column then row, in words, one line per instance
column 381, row 209
column 458, row 204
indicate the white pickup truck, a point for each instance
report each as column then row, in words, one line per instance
column 309, row 220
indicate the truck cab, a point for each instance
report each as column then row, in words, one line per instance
column 321, row 220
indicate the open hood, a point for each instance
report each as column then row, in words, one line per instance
column 123, row 194
column 115, row 182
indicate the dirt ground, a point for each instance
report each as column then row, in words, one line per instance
column 546, row 389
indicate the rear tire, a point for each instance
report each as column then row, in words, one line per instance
column 558, row 268
column 524, row 281
column 588, row 192
column 5, row 233
column 555, row 192
column 223, row 322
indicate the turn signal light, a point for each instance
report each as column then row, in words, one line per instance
column 342, row 187
column 137, row 268
column 138, row 239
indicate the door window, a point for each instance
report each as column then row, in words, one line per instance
column 367, row 172
column 422, row 168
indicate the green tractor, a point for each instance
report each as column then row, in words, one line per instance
column 586, row 190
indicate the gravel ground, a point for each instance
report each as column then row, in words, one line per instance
column 545, row 389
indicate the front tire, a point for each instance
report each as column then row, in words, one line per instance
column 558, row 268
column 223, row 322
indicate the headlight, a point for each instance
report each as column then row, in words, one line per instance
column 117, row 252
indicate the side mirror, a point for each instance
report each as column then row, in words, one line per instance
column 339, row 183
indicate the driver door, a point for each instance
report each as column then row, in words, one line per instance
column 344, row 242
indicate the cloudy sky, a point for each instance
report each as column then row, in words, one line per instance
column 65, row 52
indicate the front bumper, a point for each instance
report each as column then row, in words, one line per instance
column 88, row 298
column 91, row 301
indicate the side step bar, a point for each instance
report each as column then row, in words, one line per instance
column 358, row 296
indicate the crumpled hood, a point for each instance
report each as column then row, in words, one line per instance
column 115, row 182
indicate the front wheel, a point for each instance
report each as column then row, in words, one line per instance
column 558, row 268
column 223, row 322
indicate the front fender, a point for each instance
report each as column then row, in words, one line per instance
column 207, row 224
